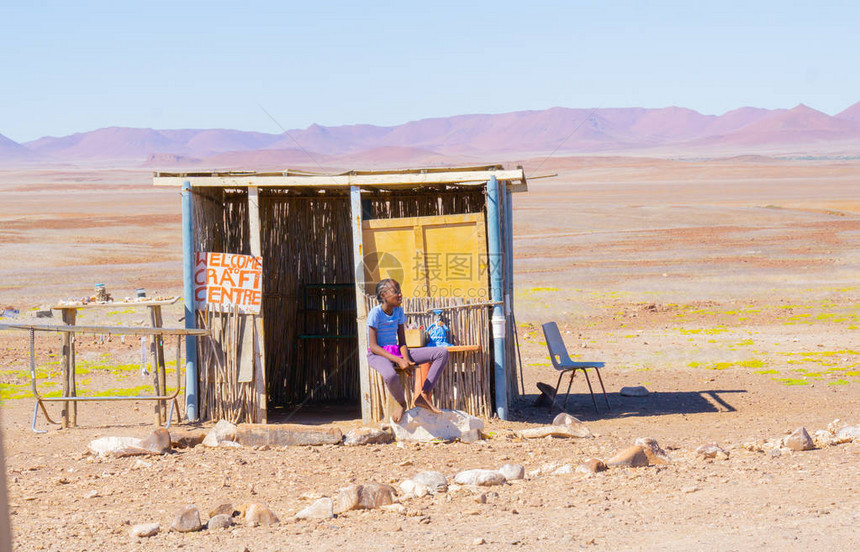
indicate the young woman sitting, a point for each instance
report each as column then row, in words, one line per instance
column 386, row 339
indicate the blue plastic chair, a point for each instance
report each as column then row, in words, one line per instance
column 561, row 361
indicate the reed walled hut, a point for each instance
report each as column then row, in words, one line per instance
column 281, row 268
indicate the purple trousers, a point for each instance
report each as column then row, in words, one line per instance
column 436, row 356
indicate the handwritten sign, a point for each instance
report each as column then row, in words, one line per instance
column 228, row 279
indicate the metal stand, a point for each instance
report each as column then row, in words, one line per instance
column 70, row 399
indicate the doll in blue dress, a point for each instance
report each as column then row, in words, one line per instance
column 438, row 334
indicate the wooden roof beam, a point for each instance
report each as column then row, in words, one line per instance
column 388, row 180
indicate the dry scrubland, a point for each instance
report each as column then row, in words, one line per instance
column 730, row 288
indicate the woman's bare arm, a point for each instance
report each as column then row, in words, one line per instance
column 404, row 350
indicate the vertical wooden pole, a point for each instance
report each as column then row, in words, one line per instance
column 255, row 329
column 70, row 409
column 158, row 364
column 360, row 306
column 191, row 396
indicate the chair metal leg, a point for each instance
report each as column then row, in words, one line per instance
column 590, row 390
column 557, row 385
column 603, row 388
column 569, row 385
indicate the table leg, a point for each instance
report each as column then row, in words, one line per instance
column 159, row 366
column 421, row 373
column 70, row 409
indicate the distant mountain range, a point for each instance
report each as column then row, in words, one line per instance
column 671, row 131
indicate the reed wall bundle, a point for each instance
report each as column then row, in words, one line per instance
column 444, row 200
column 221, row 396
column 308, row 294
column 221, row 225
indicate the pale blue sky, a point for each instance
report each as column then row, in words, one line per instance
column 76, row 66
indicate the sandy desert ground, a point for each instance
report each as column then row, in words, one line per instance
column 729, row 288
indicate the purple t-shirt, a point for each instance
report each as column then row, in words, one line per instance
column 386, row 326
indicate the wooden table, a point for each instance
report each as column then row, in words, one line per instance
column 70, row 313
column 423, row 370
column 419, row 375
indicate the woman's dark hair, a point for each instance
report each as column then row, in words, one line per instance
column 384, row 285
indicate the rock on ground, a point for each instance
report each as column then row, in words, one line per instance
column 712, row 450
column 321, row 509
column 116, row 446
column 395, row 508
column 573, row 430
column 436, row 482
column 366, row 497
column 655, row 454
column 374, row 495
column 799, row 440
column 257, row 514
column 284, row 435
column 143, row 530
column 483, row 478
column 419, row 424
column 592, row 465
column 424, row 483
column 547, row 469
column 848, row 433
column 157, row 442
column 220, row 521
column 223, row 431
column 368, row 436
column 563, row 470
column 513, row 472
column 632, row 457
column 187, row 520
column 223, row 508
column 565, row 419
column 186, row 439
column 635, row 391
column 346, row 499
column 413, row 489
column 823, row 438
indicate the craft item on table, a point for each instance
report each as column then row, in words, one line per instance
column 415, row 335
column 9, row 312
column 438, row 334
